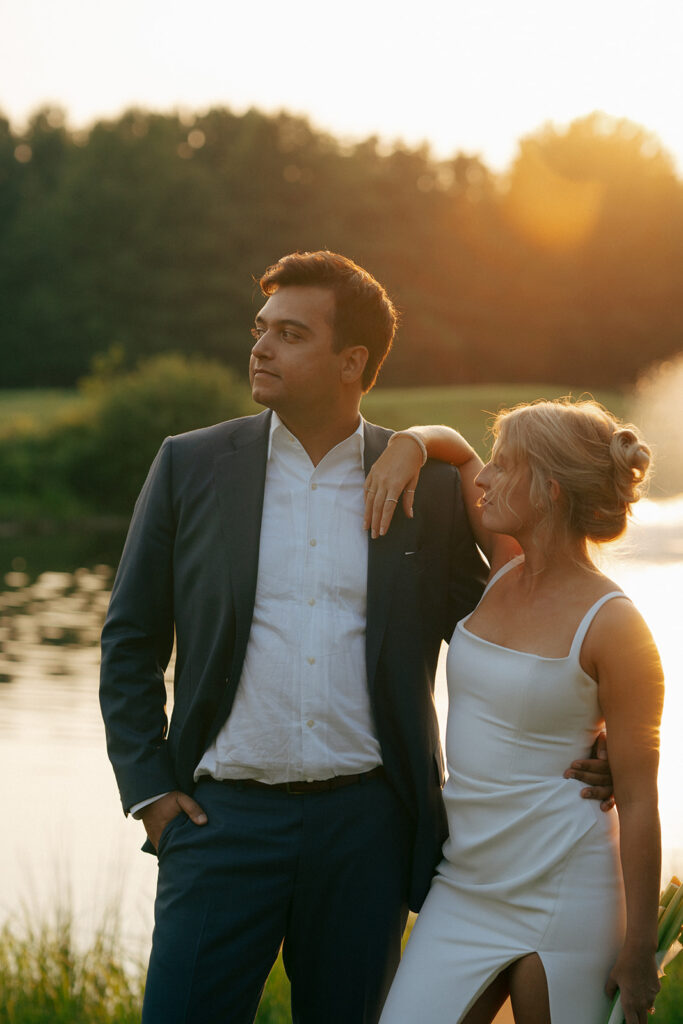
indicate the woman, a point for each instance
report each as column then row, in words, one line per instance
column 539, row 894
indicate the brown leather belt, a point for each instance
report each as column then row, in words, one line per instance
column 317, row 786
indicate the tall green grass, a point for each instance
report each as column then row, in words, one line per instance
column 46, row 978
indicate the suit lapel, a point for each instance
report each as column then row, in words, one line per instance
column 384, row 556
column 239, row 477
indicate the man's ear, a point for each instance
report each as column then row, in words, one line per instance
column 353, row 363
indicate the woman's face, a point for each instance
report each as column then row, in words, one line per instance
column 505, row 502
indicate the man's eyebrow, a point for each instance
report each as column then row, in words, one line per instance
column 285, row 322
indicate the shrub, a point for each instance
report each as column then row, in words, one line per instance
column 95, row 456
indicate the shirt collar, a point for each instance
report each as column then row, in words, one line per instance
column 277, row 426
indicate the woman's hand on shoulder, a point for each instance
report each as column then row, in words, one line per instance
column 393, row 478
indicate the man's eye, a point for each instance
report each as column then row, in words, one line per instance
column 289, row 335
column 256, row 332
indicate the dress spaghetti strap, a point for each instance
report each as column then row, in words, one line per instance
column 517, row 560
column 586, row 621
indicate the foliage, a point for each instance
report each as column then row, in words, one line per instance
column 670, row 999
column 45, row 977
column 145, row 232
column 94, row 457
column 274, row 1007
column 94, row 452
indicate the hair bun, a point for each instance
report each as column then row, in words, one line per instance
column 631, row 459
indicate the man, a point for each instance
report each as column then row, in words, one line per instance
column 296, row 797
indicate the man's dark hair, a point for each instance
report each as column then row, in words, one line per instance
column 363, row 312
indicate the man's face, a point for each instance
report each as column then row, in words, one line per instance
column 293, row 366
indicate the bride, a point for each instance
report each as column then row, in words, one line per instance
column 531, row 899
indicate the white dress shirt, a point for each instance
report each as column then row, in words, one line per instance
column 302, row 709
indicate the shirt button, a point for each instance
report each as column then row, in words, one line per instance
column 314, row 487
column 310, row 723
column 311, row 661
column 311, row 601
column 313, row 542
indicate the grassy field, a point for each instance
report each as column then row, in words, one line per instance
column 34, row 407
column 468, row 408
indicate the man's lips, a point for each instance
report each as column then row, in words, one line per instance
column 260, row 372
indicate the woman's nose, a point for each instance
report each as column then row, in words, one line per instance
column 480, row 478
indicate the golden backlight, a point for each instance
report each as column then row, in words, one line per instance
column 466, row 77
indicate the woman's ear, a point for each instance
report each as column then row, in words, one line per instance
column 554, row 490
column 353, row 363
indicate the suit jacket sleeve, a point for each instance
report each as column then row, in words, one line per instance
column 137, row 641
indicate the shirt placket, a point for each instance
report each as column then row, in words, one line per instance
column 310, row 662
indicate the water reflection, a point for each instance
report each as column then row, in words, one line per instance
column 58, row 610
column 49, row 635
column 67, row 829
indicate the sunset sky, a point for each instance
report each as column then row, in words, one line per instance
column 473, row 77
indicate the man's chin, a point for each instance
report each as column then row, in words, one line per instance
column 260, row 396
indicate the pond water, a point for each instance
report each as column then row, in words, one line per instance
column 64, row 838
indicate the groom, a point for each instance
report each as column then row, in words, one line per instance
column 295, row 797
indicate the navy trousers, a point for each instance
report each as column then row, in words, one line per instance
column 325, row 875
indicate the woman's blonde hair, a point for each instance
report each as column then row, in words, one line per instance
column 600, row 464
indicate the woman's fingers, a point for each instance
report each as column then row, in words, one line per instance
column 379, row 510
column 409, row 495
column 387, row 514
column 393, row 478
column 381, row 501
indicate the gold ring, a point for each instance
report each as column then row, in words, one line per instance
column 395, row 500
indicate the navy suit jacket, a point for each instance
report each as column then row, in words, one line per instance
column 189, row 568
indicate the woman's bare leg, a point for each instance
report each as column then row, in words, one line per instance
column 529, row 990
column 489, row 1002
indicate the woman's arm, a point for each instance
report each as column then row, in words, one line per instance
column 620, row 651
column 396, row 472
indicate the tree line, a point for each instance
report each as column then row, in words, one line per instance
column 143, row 235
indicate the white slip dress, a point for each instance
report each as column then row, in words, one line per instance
column 529, row 866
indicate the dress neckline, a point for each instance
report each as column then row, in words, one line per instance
column 577, row 639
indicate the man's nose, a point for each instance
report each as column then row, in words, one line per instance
column 261, row 347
